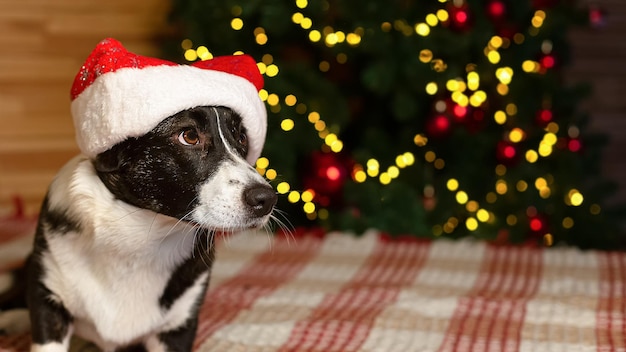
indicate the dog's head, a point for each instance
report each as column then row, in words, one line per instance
column 191, row 166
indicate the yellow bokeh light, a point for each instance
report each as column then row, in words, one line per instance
column 420, row 140
column 473, row 80
column 186, row 44
column 203, row 53
column 511, row 220
column 531, row 156
column 308, row 207
column 471, row 224
column 385, row 178
column 432, row 19
column 431, row 88
column 262, row 162
column 500, row 117
column 500, row 170
column 482, row 215
column 495, row 42
column 320, row 125
column 337, row 146
column 521, row 186
column 422, row 29
column 273, row 99
column 502, row 89
column 191, row 55
column 313, row 117
column 575, row 197
column 315, row 36
column 271, row 174
column 540, row 183
column 493, row 57
column 261, row 38
column 306, row 23
column 516, row 135
column 501, row 187
column 302, row 3
column 297, row 17
column 439, row 164
column 291, row 100
column 452, row 85
column 353, row 39
column 272, row 70
column 324, row 66
column 393, row 171
column 430, row 156
column 442, row 15
column 511, row 109
column 550, row 138
column 287, row 125
column 545, row 149
column 452, row 184
column 307, row 196
column 504, row 74
column 568, row 222
column 530, row 66
column 360, row 176
column 236, row 24
column 409, row 158
column 425, row 55
column 461, row 197
column 293, row 197
column 283, row 187
column 471, row 206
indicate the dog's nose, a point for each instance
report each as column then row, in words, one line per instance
column 261, row 199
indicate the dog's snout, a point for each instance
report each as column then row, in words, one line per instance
column 260, row 199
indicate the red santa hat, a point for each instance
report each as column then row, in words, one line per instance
column 117, row 95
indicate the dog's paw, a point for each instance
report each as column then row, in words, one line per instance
column 14, row 321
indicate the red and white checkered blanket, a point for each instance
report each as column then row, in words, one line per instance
column 343, row 293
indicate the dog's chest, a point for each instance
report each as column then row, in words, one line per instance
column 115, row 299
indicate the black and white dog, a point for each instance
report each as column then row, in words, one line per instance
column 125, row 241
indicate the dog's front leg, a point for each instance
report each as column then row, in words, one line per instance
column 51, row 323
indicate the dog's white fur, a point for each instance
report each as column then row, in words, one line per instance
column 99, row 275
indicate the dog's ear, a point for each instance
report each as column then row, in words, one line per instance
column 108, row 161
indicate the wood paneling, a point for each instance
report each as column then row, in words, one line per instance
column 42, row 45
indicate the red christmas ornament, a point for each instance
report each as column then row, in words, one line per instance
column 507, row 153
column 547, row 61
column 597, row 17
column 459, row 112
column 325, row 174
column 438, row 126
column 460, row 18
column 574, row 145
column 544, row 117
column 538, row 225
column 496, row 9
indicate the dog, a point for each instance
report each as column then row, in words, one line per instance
column 125, row 241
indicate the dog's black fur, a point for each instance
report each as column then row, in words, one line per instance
column 165, row 171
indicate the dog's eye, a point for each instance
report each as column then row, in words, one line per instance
column 189, row 137
column 242, row 139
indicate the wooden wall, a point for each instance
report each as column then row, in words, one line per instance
column 42, row 45
column 44, row 42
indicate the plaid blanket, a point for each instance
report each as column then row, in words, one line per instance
column 338, row 292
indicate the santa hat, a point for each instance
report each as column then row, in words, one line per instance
column 117, row 95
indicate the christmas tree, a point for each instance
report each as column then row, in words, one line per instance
column 422, row 118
